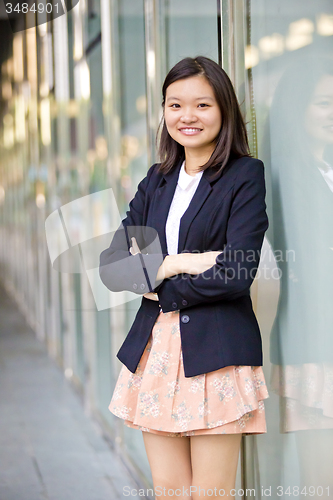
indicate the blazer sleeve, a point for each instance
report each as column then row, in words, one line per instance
column 236, row 266
column 119, row 270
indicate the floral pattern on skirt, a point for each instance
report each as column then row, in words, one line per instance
column 158, row 398
column 306, row 395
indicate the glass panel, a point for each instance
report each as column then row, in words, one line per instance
column 79, row 347
column 96, row 155
column 191, row 30
column 104, row 377
column 134, row 161
column 93, row 21
column 97, row 152
column 132, row 67
column 290, row 55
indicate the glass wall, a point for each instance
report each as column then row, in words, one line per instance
column 81, row 104
column 183, row 21
column 290, row 56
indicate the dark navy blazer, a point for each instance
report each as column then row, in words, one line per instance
column 218, row 326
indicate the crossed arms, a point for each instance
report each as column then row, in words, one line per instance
column 188, row 279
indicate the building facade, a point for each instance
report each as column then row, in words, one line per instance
column 81, row 104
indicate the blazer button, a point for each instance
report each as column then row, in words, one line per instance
column 184, row 302
column 135, row 286
column 142, row 286
column 174, row 305
column 185, row 318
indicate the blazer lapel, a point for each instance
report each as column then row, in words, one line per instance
column 162, row 201
column 201, row 194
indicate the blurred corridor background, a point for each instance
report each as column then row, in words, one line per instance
column 79, row 109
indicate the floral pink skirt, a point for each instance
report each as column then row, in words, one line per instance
column 158, row 398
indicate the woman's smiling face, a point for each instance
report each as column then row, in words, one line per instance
column 319, row 113
column 192, row 115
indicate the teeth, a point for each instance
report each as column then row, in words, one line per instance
column 190, row 129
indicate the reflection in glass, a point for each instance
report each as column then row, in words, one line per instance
column 301, row 141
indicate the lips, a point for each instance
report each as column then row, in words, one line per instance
column 190, row 130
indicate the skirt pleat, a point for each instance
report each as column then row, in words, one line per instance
column 158, row 398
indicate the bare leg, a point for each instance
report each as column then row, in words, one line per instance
column 214, row 461
column 170, row 464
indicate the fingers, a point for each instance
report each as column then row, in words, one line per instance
column 134, row 248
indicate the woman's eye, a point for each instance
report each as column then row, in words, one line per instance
column 176, row 105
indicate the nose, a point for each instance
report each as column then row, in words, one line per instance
column 188, row 117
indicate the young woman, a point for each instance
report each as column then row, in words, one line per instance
column 192, row 380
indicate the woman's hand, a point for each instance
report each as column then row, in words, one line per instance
column 134, row 249
column 151, row 296
column 191, row 263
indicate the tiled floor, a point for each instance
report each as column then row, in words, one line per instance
column 49, row 448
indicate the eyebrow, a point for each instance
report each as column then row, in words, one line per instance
column 197, row 99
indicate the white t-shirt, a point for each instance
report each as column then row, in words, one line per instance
column 185, row 189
